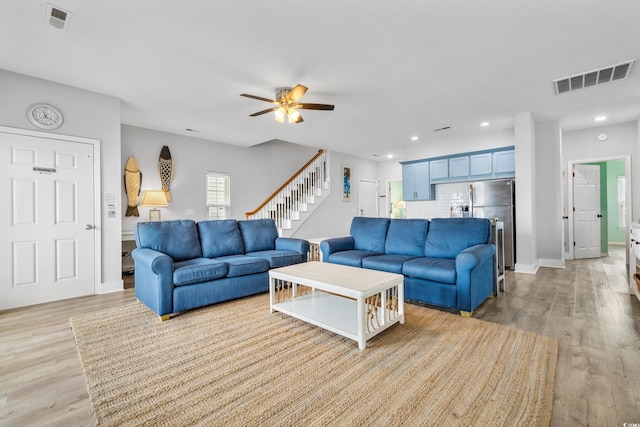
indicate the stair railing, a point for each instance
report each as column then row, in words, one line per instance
column 285, row 204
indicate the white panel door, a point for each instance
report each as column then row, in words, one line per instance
column 48, row 241
column 586, row 215
column 368, row 200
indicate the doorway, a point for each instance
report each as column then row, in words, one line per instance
column 368, row 200
column 50, row 185
column 615, row 200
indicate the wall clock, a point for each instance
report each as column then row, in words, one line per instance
column 45, row 116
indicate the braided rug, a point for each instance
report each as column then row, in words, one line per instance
column 236, row 364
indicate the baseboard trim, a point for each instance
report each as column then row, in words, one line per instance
column 113, row 286
column 526, row 268
column 552, row 263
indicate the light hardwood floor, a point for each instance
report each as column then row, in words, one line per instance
column 586, row 306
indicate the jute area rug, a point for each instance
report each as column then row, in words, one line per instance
column 237, row 364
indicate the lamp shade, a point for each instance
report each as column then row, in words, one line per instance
column 154, row 198
column 401, row 204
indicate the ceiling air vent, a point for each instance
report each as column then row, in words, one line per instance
column 58, row 18
column 592, row 78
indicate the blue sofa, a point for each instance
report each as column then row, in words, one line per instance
column 181, row 264
column 446, row 262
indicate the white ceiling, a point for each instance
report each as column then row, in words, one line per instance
column 392, row 69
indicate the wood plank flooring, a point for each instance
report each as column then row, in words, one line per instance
column 586, row 306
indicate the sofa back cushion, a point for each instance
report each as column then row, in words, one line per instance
column 176, row 238
column 447, row 237
column 220, row 237
column 258, row 234
column 369, row 233
column 406, row 237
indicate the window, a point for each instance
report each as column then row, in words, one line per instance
column 218, row 198
column 622, row 203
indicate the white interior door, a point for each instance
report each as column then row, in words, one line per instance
column 368, row 200
column 47, row 220
column 586, row 215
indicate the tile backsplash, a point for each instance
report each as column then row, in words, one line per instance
column 450, row 195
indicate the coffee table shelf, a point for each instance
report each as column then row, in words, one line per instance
column 352, row 302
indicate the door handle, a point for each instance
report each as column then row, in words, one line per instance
column 599, row 216
column 89, row 227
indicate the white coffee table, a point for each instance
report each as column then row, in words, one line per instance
column 353, row 302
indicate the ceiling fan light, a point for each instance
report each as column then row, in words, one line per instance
column 294, row 115
column 279, row 114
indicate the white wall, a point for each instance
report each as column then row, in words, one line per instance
column 623, row 140
column 255, row 173
column 86, row 114
column 549, row 182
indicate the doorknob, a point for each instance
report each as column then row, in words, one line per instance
column 89, row 227
column 599, row 216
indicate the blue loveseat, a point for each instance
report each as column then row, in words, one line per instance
column 181, row 264
column 446, row 262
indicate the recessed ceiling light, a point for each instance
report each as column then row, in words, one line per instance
column 600, row 118
column 389, row 156
column 414, row 138
column 484, row 124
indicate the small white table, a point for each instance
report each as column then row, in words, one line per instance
column 356, row 303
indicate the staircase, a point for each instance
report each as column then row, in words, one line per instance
column 291, row 204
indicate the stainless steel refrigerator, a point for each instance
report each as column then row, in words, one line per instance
column 495, row 199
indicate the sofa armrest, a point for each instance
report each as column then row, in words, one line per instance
column 475, row 275
column 292, row 244
column 154, row 279
column 336, row 244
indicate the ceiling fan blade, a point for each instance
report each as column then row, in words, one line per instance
column 259, row 98
column 315, row 106
column 297, row 93
column 268, row 110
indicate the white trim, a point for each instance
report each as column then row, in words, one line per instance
column 627, row 173
column 552, row 263
column 526, row 268
column 97, row 185
column 112, row 286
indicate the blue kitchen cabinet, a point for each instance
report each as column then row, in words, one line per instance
column 415, row 182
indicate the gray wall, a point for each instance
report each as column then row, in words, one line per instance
column 86, row 114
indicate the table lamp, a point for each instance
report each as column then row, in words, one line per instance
column 154, row 199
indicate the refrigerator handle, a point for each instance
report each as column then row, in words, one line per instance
column 470, row 200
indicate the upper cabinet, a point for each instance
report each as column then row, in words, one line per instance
column 487, row 164
column 416, row 184
column 459, row 167
column 504, row 163
column 481, row 164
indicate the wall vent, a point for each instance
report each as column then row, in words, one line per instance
column 592, row 78
column 57, row 17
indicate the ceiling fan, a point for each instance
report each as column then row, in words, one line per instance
column 287, row 105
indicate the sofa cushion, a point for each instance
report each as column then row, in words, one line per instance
column 406, row 237
column 241, row 265
column 436, row 269
column 447, row 237
column 258, row 234
column 176, row 238
column 278, row 258
column 369, row 233
column 391, row 263
column 198, row 270
column 352, row 258
column 220, row 238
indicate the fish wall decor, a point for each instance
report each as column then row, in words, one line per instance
column 165, row 170
column 132, row 181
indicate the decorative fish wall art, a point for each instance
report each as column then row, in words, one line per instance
column 165, row 170
column 132, row 181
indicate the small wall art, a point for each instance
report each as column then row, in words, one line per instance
column 346, row 183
